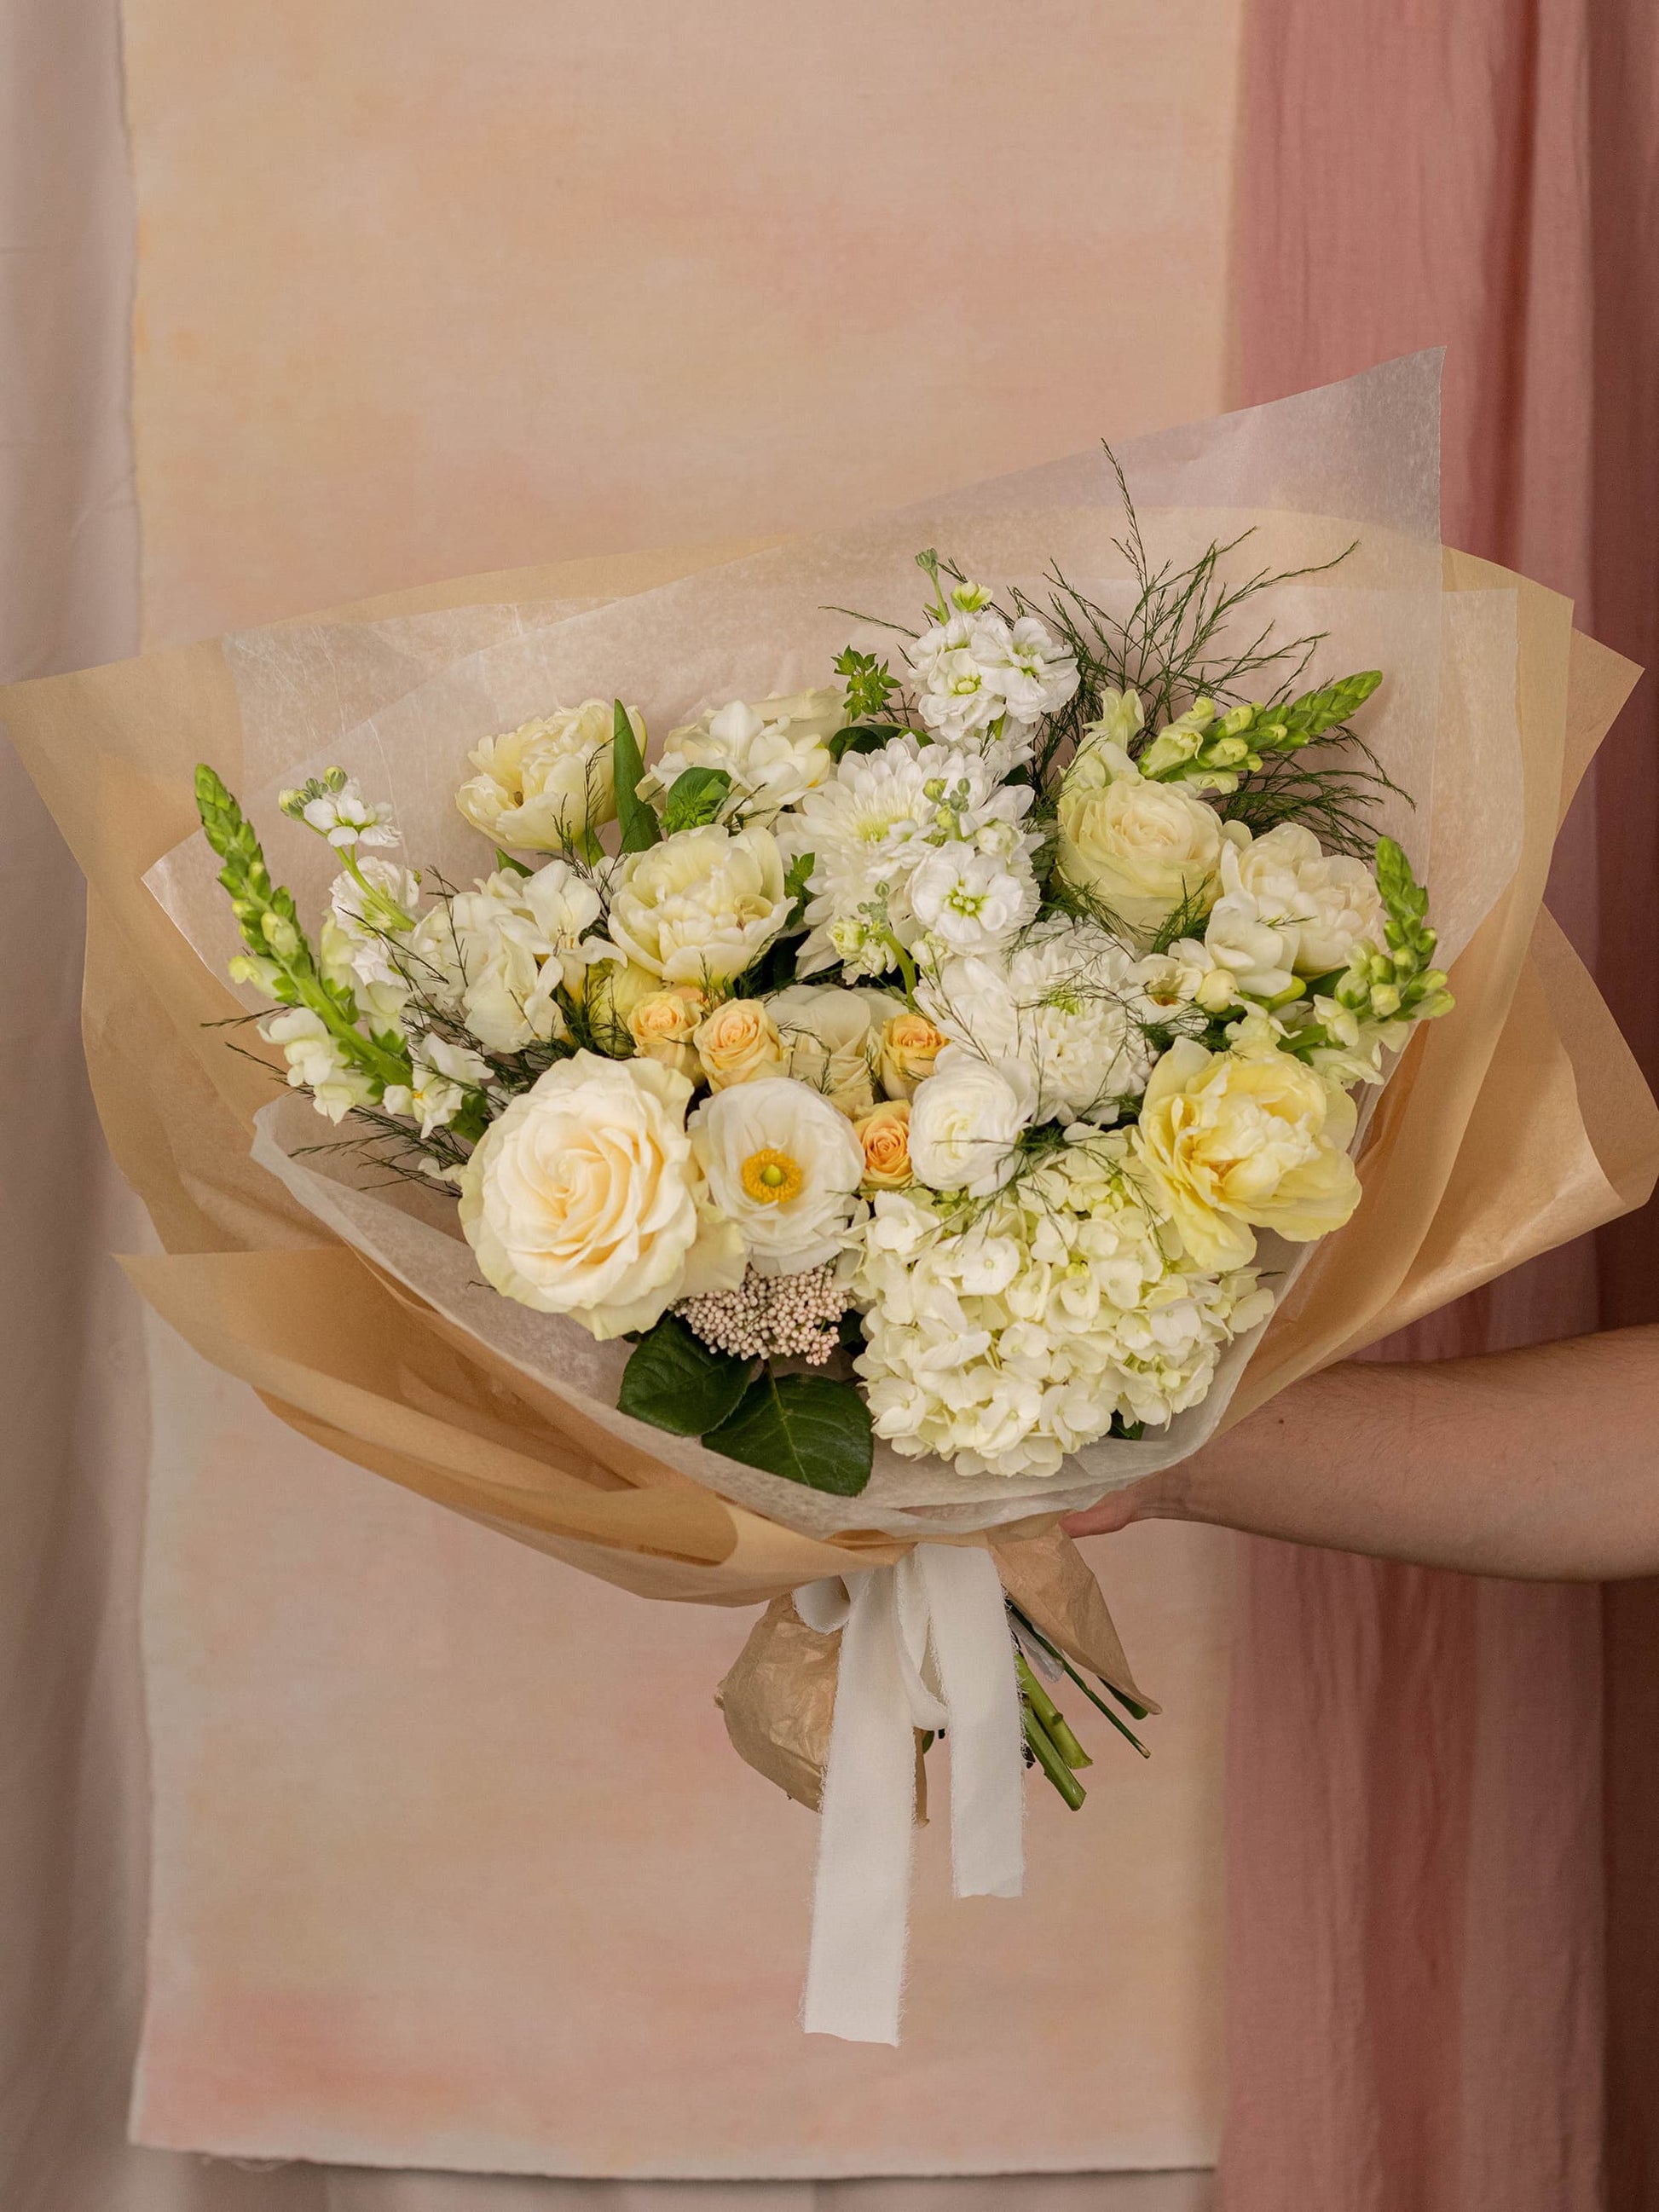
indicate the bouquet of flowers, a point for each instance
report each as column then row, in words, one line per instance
column 788, row 1139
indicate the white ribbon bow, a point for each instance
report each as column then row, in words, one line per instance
column 925, row 1644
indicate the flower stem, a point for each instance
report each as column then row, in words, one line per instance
column 1047, row 1757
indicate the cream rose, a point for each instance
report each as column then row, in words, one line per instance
column 585, row 1198
column 966, row 1121
column 739, row 1042
column 1243, row 1139
column 831, row 1039
column 664, row 1022
column 884, row 1133
column 783, row 1165
column 540, row 786
column 909, row 1045
column 701, row 907
column 1142, row 848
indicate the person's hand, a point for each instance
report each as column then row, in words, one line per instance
column 1154, row 1499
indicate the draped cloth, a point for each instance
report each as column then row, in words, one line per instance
column 1444, row 1968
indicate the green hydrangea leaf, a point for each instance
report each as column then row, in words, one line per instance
column 806, row 1428
column 677, row 1383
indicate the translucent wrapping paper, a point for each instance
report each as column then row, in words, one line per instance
column 360, row 1312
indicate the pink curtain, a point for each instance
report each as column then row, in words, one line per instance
column 1445, row 1984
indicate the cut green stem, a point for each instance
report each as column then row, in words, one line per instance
column 1046, row 1754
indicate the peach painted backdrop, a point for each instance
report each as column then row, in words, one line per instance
column 453, row 1866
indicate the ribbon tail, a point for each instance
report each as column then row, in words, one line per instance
column 862, row 1894
column 973, row 1654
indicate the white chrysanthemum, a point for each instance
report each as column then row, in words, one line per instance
column 1068, row 1002
column 784, row 1165
column 497, row 955
column 701, row 907
column 977, row 677
column 774, row 751
column 863, row 828
column 1005, row 1345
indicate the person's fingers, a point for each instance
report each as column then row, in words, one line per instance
column 1105, row 1519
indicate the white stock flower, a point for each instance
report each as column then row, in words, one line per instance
column 966, row 1121
column 1068, row 1002
column 1005, row 1345
column 540, row 786
column 774, row 751
column 585, row 1198
column 500, row 953
column 977, row 676
column 362, row 932
column 317, row 1063
column 701, row 907
column 970, row 901
column 1143, row 849
column 443, row 1075
column 347, row 819
column 783, row 1165
column 831, row 1038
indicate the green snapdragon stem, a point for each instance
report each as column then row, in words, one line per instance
column 1049, row 1714
column 1048, row 1756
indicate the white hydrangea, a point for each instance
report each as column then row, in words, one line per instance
column 1005, row 1345
column 980, row 677
column 1072, row 1004
column 774, row 751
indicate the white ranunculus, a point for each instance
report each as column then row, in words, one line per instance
column 783, row 1164
column 316, row 1062
column 505, row 949
column 966, row 1121
column 831, row 1039
column 774, row 751
column 540, row 786
column 972, row 901
column 702, row 906
column 1330, row 900
column 1142, row 848
column 585, row 1198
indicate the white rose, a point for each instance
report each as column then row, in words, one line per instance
column 1330, row 899
column 785, row 1166
column 1142, row 848
column 966, row 1121
column 832, row 1039
column 774, row 751
column 539, row 787
column 701, row 907
column 970, row 900
column 585, row 1198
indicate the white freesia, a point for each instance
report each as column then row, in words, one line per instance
column 540, row 787
column 1069, row 1004
column 701, row 907
column 831, row 1039
column 500, row 953
column 1006, row 1345
column 316, row 1062
column 774, row 751
column 966, row 1121
column 784, row 1165
column 1142, row 849
column 444, row 1073
column 585, row 1198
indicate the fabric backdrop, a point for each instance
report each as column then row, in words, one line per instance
column 1443, row 1934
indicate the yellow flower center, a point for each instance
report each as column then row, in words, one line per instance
column 771, row 1176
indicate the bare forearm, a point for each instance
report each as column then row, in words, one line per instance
column 1542, row 1463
